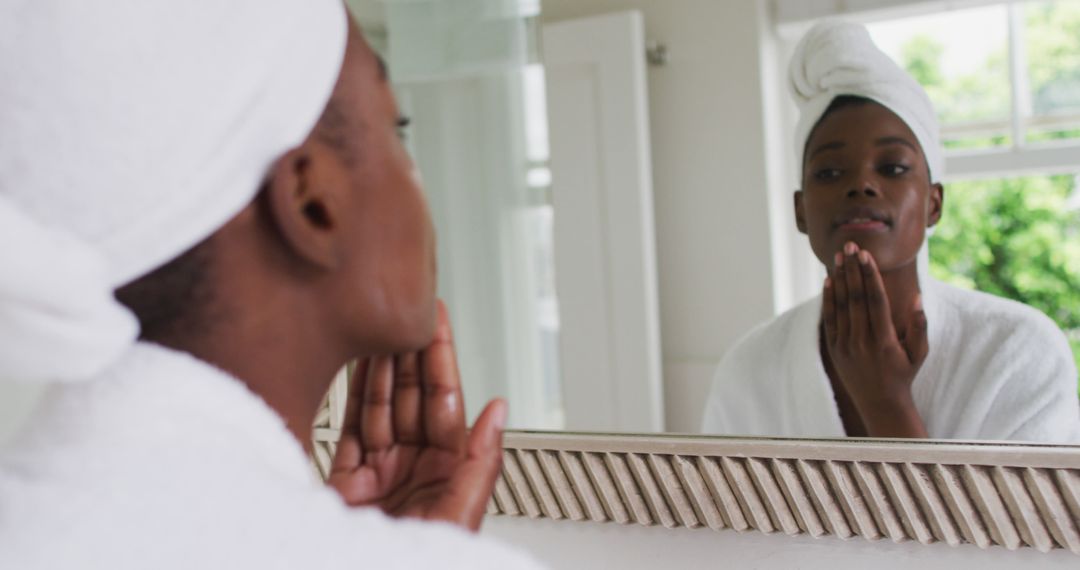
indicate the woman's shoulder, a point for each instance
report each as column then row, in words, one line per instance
column 748, row 387
column 994, row 314
column 765, row 339
column 1003, row 334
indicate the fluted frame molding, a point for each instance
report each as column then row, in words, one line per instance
column 983, row 494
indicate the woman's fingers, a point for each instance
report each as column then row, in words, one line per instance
column 472, row 485
column 828, row 312
column 408, row 400
column 860, row 325
column 443, row 404
column 376, row 414
column 877, row 300
column 840, row 295
column 916, row 341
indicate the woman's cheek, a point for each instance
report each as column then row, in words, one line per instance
column 909, row 241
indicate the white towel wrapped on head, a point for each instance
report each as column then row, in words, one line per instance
column 129, row 132
column 838, row 58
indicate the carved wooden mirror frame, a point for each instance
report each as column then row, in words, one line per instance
column 984, row 494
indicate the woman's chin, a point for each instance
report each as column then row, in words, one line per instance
column 418, row 327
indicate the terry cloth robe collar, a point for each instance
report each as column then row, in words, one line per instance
column 189, row 388
column 997, row 370
column 166, row 462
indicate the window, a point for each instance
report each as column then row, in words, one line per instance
column 1004, row 75
column 1017, row 238
column 961, row 60
column 1052, row 92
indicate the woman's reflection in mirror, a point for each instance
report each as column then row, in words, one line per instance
column 886, row 350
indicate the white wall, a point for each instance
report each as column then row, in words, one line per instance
column 562, row 544
column 710, row 183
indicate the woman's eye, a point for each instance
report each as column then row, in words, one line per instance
column 826, row 174
column 894, row 169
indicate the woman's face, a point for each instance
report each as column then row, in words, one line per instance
column 388, row 294
column 865, row 180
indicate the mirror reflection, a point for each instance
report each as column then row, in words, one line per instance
column 748, row 218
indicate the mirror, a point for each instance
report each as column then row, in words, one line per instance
column 612, row 181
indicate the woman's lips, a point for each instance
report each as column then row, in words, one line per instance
column 862, row 219
column 864, row 225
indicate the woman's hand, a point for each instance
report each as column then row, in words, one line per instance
column 876, row 365
column 405, row 448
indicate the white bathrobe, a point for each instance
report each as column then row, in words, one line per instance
column 997, row 370
column 165, row 462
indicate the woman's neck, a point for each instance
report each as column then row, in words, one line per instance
column 272, row 340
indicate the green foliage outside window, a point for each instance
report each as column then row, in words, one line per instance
column 1017, row 238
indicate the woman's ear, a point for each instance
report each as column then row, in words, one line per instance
column 937, row 203
column 800, row 212
column 302, row 208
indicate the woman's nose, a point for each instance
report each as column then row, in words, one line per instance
column 865, row 189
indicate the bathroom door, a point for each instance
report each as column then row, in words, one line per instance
column 605, row 259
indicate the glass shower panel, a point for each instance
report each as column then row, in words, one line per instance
column 466, row 73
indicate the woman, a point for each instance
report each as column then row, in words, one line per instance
column 886, row 351
column 207, row 210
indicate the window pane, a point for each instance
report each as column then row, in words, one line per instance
column 1017, row 238
column 1052, row 43
column 961, row 58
